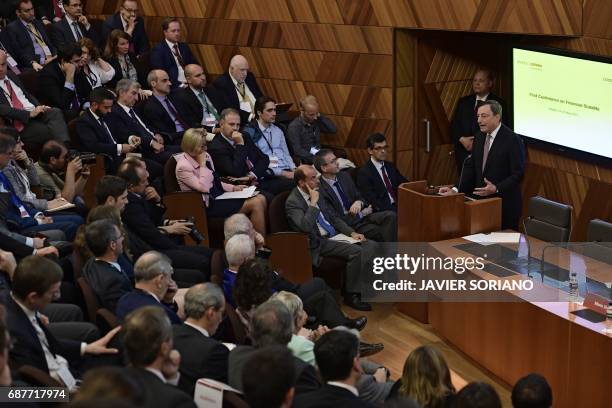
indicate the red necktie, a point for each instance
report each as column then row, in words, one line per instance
column 16, row 104
column 57, row 10
column 178, row 56
column 388, row 183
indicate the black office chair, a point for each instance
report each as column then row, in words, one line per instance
column 548, row 220
column 600, row 231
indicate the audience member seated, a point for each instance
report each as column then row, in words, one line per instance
column 238, row 88
column 275, row 365
column 36, row 283
column 198, row 103
column 195, row 171
column 477, row 395
column 271, row 325
column 128, row 20
column 307, row 214
column 7, row 46
column 117, row 53
column 103, row 272
column 159, row 112
column 172, row 55
column 73, row 26
column 106, row 385
column 144, row 215
column 33, row 47
column 49, row 11
column 153, row 287
column 378, row 179
column 147, row 338
column 532, row 391
column 304, row 132
column 19, row 248
column 35, row 123
column 97, row 71
column 201, row 355
column 270, row 139
column 354, row 215
column 337, row 356
column 426, row 379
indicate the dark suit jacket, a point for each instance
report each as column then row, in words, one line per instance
column 43, row 8
column 7, row 112
column 229, row 97
column 163, row 58
column 332, row 201
column 22, row 42
column 505, row 168
column 27, row 349
column 20, row 250
column 305, row 374
column 329, row 396
column 61, row 33
column 95, row 139
column 6, row 43
column 231, row 160
column 139, row 298
column 464, row 123
column 114, row 62
column 190, row 107
column 201, row 357
column 139, row 36
column 122, row 127
column 51, row 81
column 159, row 121
column 157, row 393
column 373, row 188
column 108, row 283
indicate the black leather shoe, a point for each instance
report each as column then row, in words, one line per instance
column 367, row 349
column 354, row 300
column 357, row 323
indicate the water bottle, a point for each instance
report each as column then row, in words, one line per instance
column 573, row 287
column 609, row 311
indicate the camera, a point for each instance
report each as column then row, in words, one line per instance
column 195, row 234
column 86, row 157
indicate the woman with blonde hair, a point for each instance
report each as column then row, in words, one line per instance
column 195, row 171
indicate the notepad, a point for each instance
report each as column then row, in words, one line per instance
column 61, row 207
column 248, row 192
column 344, row 238
column 494, row 238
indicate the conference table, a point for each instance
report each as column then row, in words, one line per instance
column 540, row 331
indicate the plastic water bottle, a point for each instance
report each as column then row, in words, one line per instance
column 573, row 287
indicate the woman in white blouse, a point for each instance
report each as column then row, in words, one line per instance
column 97, row 71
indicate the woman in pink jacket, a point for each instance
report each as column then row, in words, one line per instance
column 195, row 171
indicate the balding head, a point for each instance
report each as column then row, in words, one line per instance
column 309, row 108
column 159, row 81
column 3, row 64
column 239, row 67
column 306, row 178
column 195, row 77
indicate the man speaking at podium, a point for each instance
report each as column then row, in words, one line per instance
column 496, row 166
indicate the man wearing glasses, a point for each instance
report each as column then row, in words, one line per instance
column 127, row 19
column 73, row 26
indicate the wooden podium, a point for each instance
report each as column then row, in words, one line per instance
column 423, row 217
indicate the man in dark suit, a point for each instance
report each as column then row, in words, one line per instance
column 238, row 88
column 148, row 344
column 497, row 165
column 103, row 272
column 354, row 213
column 171, row 54
column 202, row 356
column 378, row 179
column 160, row 113
column 198, row 103
column 308, row 214
column 464, row 125
column 32, row 45
column 276, row 365
column 337, row 356
column 271, row 325
column 7, row 46
column 35, row 123
column 128, row 20
column 73, row 26
column 49, row 11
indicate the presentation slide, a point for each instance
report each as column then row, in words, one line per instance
column 563, row 100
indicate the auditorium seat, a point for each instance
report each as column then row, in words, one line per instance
column 97, row 171
column 235, row 331
column 548, row 220
column 101, row 317
column 218, row 263
column 37, row 377
column 75, row 141
column 600, row 231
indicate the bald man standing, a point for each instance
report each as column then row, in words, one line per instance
column 238, row 88
column 198, row 103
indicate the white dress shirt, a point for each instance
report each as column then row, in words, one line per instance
column 181, row 72
column 306, row 197
column 379, row 165
column 345, row 386
column 247, row 92
column 27, row 105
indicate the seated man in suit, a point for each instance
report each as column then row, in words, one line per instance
column 159, row 113
column 337, row 356
column 497, row 165
column 202, row 356
column 49, row 11
column 36, row 283
column 153, row 287
column 128, row 20
column 304, row 132
column 73, row 26
column 464, row 124
column 20, row 250
column 271, row 325
column 153, row 363
column 308, row 214
column 198, row 103
column 7, row 46
column 172, row 55
column 103, row 272
column 276, row 365
column 35, row 123
column 378, row 178
column 33, row 47
column 340, row 194
column 238, row 88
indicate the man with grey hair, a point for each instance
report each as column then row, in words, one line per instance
column 154, row 287
column 202, row 356
column 271, row 325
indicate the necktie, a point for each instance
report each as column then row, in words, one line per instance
column 174, row 113
column 243, row 93
column 57, row 10
column 346, row 204
column 331, row 231
column 106, row 131
column 38, row 38
column 485, row 154
column 16, row 104
column 42, row 337
column 77, row 30
column 178, row 56
column 208, row 108
column 137, row 123
column 388, row 183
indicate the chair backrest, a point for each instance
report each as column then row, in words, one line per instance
column 218, row 263
column 170, row 183
column 237, row 333
column 233, row 400
column 91, row 301
column 75, row 141
column 548, row 220
column 276, row 213
column 600, row 231
column 97, row 171
column 29, row 79
column 36, row 376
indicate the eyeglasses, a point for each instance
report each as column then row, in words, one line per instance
column 130, row 11
column 119, row 237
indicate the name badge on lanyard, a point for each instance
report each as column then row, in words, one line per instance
column 11, row 61
column 46, row 50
